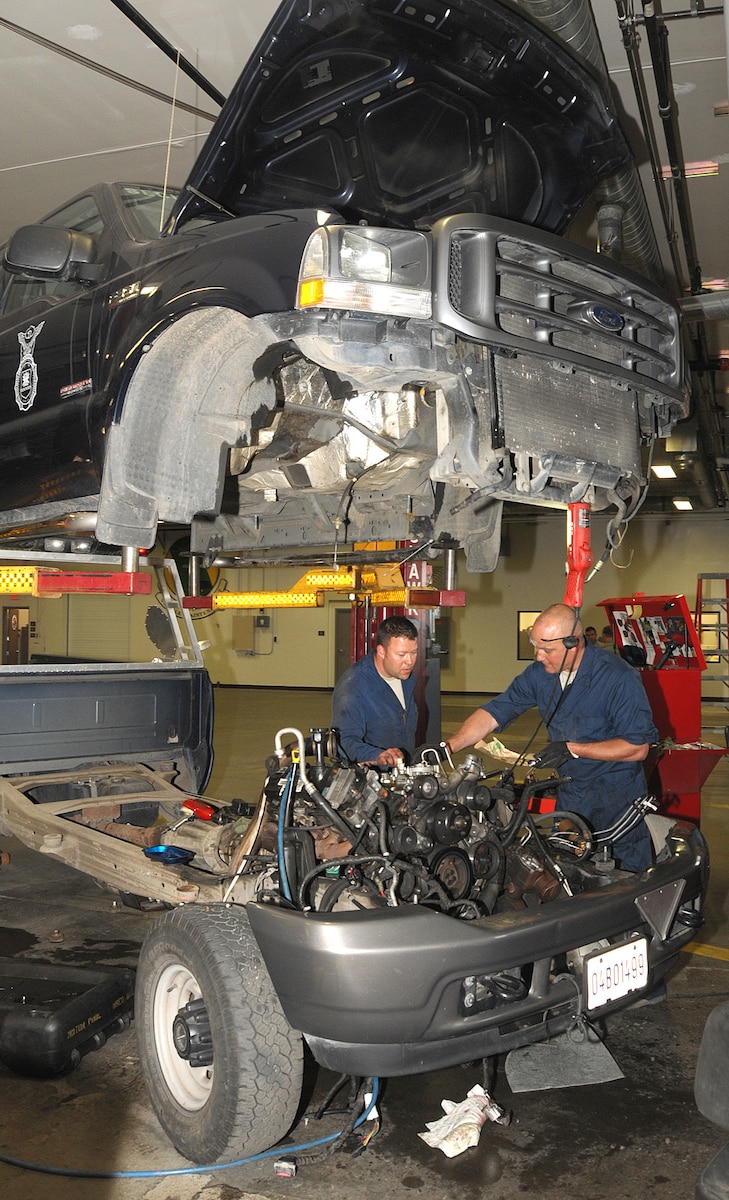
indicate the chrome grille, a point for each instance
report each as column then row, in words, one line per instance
column 533, row 292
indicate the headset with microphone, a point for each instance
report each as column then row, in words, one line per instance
column 572, row 640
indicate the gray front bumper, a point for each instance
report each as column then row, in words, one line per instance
column 384, row 992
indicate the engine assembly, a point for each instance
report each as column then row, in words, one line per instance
column 340, row 835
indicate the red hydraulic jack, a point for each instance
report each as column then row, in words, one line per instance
column 579, row 553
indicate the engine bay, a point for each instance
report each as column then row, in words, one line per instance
column 326, row 834
column 454, row 838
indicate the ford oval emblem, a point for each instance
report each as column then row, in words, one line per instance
column 606, row 318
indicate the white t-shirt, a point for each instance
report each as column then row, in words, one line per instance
column 396, row 685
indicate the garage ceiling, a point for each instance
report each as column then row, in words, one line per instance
column 87, row 95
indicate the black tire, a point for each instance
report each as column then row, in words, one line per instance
column 246, row 1099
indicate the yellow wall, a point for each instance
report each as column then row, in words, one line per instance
column 291, row 652
column 658, row 555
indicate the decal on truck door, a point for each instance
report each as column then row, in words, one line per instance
column 26, row 376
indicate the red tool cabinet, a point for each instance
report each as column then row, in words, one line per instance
column 657, row 635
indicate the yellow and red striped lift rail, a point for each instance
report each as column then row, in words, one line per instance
column 39, row 581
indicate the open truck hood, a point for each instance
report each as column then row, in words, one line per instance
column 397, row 113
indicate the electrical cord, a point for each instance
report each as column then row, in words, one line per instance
column 617, row 526
column 308, row 1157
column 341, row 515
column 276, row 1152
column 631, row 817
column 544, row 721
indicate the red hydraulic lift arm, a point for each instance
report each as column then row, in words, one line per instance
column 579, row 553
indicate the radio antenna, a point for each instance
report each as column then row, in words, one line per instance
column 169, row 144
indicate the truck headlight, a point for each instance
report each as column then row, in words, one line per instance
column 367, row 270
column 364, row 258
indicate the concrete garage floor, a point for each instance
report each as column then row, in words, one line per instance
column 639, row 1136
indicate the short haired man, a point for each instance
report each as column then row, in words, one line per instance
column 599, row 722
column 373, row 704
column 590, row 634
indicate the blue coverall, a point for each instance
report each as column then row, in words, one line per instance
column 606, row 699
column 369, row 715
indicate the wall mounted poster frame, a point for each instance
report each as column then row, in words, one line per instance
column 525, row 618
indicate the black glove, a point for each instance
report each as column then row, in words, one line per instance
column 430, row 752
column 553, row 755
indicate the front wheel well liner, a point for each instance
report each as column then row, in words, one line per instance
column 193, row 395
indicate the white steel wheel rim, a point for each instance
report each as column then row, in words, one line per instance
column 190, row 1086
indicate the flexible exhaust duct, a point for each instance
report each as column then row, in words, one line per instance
column 572, row 21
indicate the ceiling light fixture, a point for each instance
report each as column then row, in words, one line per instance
column 682, row 504
column 693, row 170
column 84, row 33
column 663, row 471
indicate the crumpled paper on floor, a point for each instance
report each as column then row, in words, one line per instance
column 461, row 1125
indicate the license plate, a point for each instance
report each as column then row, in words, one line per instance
column 612, row 974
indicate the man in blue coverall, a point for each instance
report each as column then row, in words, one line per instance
column 598, row 719
column 373, row 704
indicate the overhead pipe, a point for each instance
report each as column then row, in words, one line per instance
column 709, row 481
column 657, row 45
column 107, row 72
column 640, row 248
column 627, row 23
column 572, row 21
column 703, row 483
column 710, row 444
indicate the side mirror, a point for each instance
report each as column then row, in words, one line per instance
column 47, row 252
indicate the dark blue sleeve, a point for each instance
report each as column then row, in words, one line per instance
column 350, row 715
column 627, row 709
column 522, row 694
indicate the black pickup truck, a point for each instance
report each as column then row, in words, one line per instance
column 361, row 319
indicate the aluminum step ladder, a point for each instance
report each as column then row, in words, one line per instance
column 711, row 618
